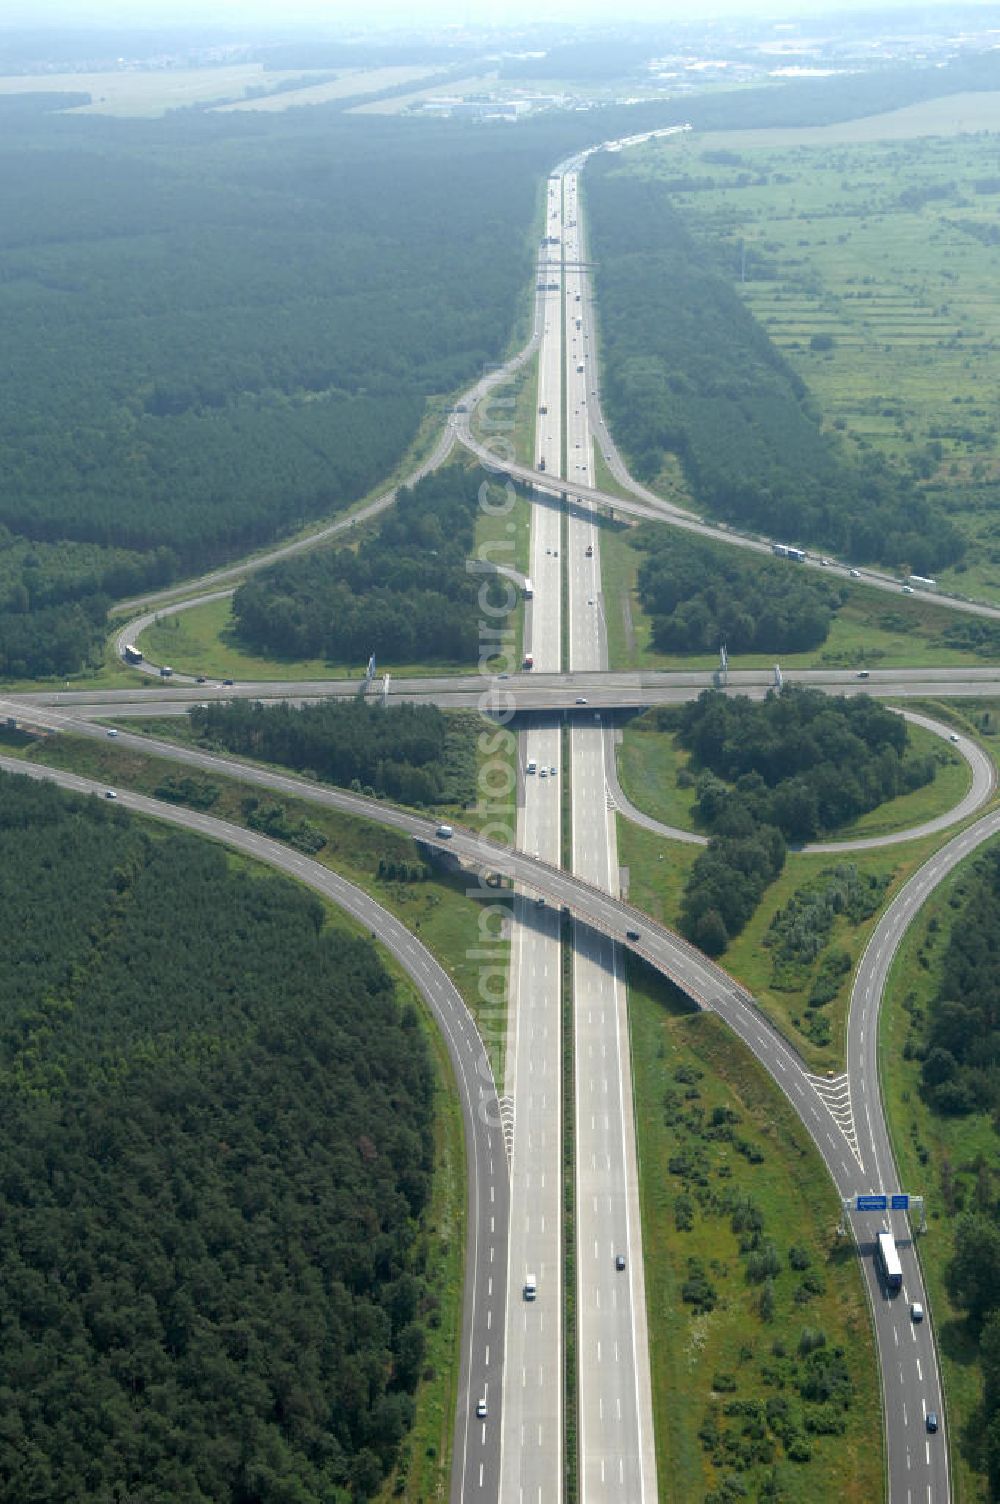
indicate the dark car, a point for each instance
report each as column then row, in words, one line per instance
column 228, row 681
column 932, row 1420
column 201, row 679
column 632, row 935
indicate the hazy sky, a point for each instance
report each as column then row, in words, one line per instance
column 397, row 12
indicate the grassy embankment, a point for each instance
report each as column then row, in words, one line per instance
column 658, row 871
column 939, row 1157
column 689, row 1076
column 424, row 1468
column 873, row 629
column 202, row 640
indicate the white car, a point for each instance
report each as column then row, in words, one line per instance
column 481, row 1409
column 916, row 1311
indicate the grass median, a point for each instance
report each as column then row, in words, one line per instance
column 763, row 1365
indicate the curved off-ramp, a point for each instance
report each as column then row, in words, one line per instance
column 980, row 790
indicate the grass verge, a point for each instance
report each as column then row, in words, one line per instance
column 940, row 1157
column 873, row 629
column 729, row 1351
column 423, row 1471
column 658, row 871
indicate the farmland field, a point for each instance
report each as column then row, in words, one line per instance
column 872, row 265
column 153, row 91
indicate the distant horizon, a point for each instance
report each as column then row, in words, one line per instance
column 390, row 14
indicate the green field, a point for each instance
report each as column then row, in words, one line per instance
column 492, row 801
column 505, row 421
column 886, row 254
column 649, row 761
column 937, row 1157
column 709, row 1121
column 202, row 640
column 658, row 870
column 874, row 629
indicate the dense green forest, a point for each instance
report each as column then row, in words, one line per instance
column 219, row 326
column 688, row 370
column 791, row 767
column 960, row 1068
column 701, row 596
column 416, row 754
column 216, row 1150
column 810, row 762
column 404, row 594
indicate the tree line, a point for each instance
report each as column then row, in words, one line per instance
column 688, row 370
column 416, row 754
column 960, row 1075
column 701, row 596
column 216, row 1154
column 220, row 327
column 794, row 766
column 404, row 594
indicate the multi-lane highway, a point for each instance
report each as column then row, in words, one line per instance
column 617, row 1459
column 528, row 692
column 517, row 1449
column 851, row 1143
column 532, row 1471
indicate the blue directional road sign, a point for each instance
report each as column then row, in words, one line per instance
column 871, row 1203
column 900, row 1203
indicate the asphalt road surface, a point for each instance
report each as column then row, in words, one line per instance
column 981, row 788
column 918, row 1462
column 532, row 1471
column 617, row 1456
column 476, row 1469
column 536, row 691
